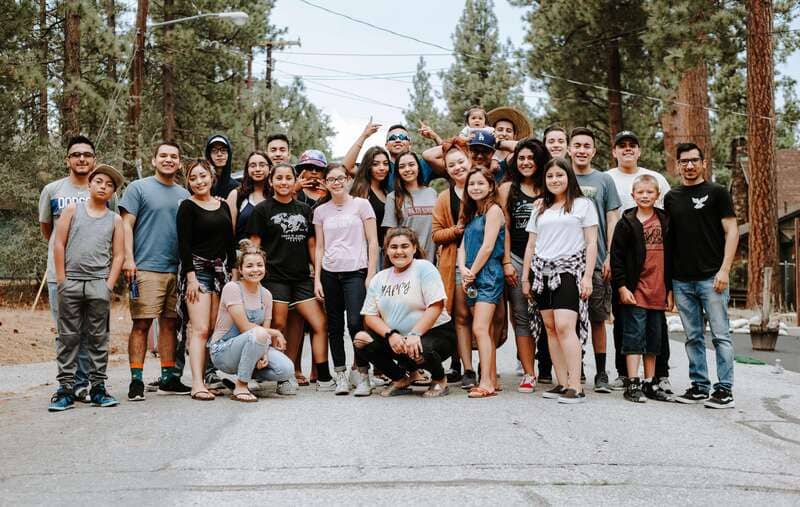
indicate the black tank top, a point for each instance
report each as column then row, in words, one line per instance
column 520, row 206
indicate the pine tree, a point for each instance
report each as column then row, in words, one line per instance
column 422, row 108
column 482, row 73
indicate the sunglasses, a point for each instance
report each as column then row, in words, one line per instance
column 79, row 154
column 397, row 137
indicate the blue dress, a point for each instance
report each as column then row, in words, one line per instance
column 489, row 281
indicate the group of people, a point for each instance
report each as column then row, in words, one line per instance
column 527, row 231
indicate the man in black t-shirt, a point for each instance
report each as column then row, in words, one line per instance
column 705, row 236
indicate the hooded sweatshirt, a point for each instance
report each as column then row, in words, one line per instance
column 224, row 183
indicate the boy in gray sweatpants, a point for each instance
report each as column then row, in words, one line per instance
column 88, row 252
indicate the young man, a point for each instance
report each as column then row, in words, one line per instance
column 149, row 210
column 640, row 264
column 705, row 236
column 627, row 152
column 88, row 251
column 555, row 140
column 278, row 149
column 220, row 155
column 599, row 187
column 55, row 197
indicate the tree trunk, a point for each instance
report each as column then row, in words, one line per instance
column 615, row 123
column 72, row 68
column 137, row 81
column 686, row 118
column 763, row 237
column 168, row 78
column 111, row 23
column 41, row 120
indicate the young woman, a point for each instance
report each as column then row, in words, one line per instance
column 411, row 203
column 407, row 324
column 346, row 256
column 480, row 260
column 516, row 197
column 282, row 226
column 561, row 252
column 243, row 343
column 254, row 189
column 371, row 182
column 207, row 257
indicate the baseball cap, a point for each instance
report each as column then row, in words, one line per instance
column 218, row 139
column 109, row 171
column 626, row 134
column 482, row 137
column 313, row 157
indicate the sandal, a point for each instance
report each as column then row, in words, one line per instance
column 393, row 390
column 436, row 390
column 203, row 396
column 480, row 392
column 245, row 397
column 301, row 379
column 424, row 378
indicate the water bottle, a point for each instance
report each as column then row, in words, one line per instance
column 134, row 287
column 472, row 291
column 778, row 367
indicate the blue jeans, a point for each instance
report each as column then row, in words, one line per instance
column 239, row 354
column 82, row 373
column 694, row 299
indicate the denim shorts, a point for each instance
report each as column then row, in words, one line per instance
column 206, row 280
column 641, row 330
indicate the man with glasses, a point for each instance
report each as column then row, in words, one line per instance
column 705, row 237
column 55, row 197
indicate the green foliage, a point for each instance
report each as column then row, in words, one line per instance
column 422, row 108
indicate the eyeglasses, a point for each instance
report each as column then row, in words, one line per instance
column 338, row 179
column 397, row 137
column 684, row 162
column 219, row 151
column 79, row 154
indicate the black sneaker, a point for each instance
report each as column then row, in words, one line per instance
column 101, row 398
column 572, row 396
column 453, row 376
column 136, row 390
column 654, row 392
column 692, row 396
column 633, row 391
column 213, row 381
column 174, row 386
column 469, row 379
column 152, row 387
column 601, row 383
column 553, row 393
column 722, row 398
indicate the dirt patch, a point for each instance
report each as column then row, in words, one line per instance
column 29, row 337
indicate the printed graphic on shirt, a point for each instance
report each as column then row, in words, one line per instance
column 294, row 226
column 521, row 213
column 58, row 204
column 653, row 239
column 589, row 191
column 395, row 289
column 413, row 211
column 699, row 202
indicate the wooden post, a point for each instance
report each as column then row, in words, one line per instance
column 766, row 299
column 797, row 269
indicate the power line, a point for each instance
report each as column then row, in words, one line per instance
column 343, row 93
column 381, row 55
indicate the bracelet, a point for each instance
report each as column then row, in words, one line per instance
column 389, row 333
column 507, row 262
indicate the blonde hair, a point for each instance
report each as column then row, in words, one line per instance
column 246, row 247
column 646, row 178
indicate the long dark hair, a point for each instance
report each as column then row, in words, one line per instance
column 540, row 158
column 401, row 231
column 248, row 185
column 363, row 178
column 471, row 208
column 400, row 192
column 573, row 189
column 282, row 165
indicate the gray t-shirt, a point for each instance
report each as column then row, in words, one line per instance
column 417, row 215
column 88, row 253
column 600, row 188
column 155, row 234
column 55, row 197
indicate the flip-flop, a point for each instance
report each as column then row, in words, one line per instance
column 392, row 390
column 301, row 379
column 479, row 392
column 200, row 396
column 424, row 378
column 247, row 397
column 436, row 390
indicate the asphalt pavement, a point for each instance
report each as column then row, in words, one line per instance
column 319, row 449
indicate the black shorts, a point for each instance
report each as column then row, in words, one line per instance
column 291, row 293
column 565, row 297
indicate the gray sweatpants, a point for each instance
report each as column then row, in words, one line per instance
column 82, row 305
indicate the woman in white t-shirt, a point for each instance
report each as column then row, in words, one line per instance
column 407, row 324
column 561, row 253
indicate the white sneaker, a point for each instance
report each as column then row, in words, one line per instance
column 342, row 383
column 354, row 377
column 363, row 388
column 377, row 381
column 326, row 385
column 287, row 388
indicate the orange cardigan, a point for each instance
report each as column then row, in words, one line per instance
column 446, row 235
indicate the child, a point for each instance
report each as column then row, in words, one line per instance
column 474, row 118
column 480, row 260
column 88, row 250
column 640, row 271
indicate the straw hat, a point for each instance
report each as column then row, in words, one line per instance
column 522, row 127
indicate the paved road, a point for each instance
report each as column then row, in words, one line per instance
column 318, row 449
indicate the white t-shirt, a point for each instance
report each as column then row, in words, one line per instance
column 558, row 233
column 624, row 183
column 400, row 299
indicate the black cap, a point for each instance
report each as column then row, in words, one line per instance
column 626, row 134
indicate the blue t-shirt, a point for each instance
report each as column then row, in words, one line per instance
column 155, row 234
column 427, row 172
